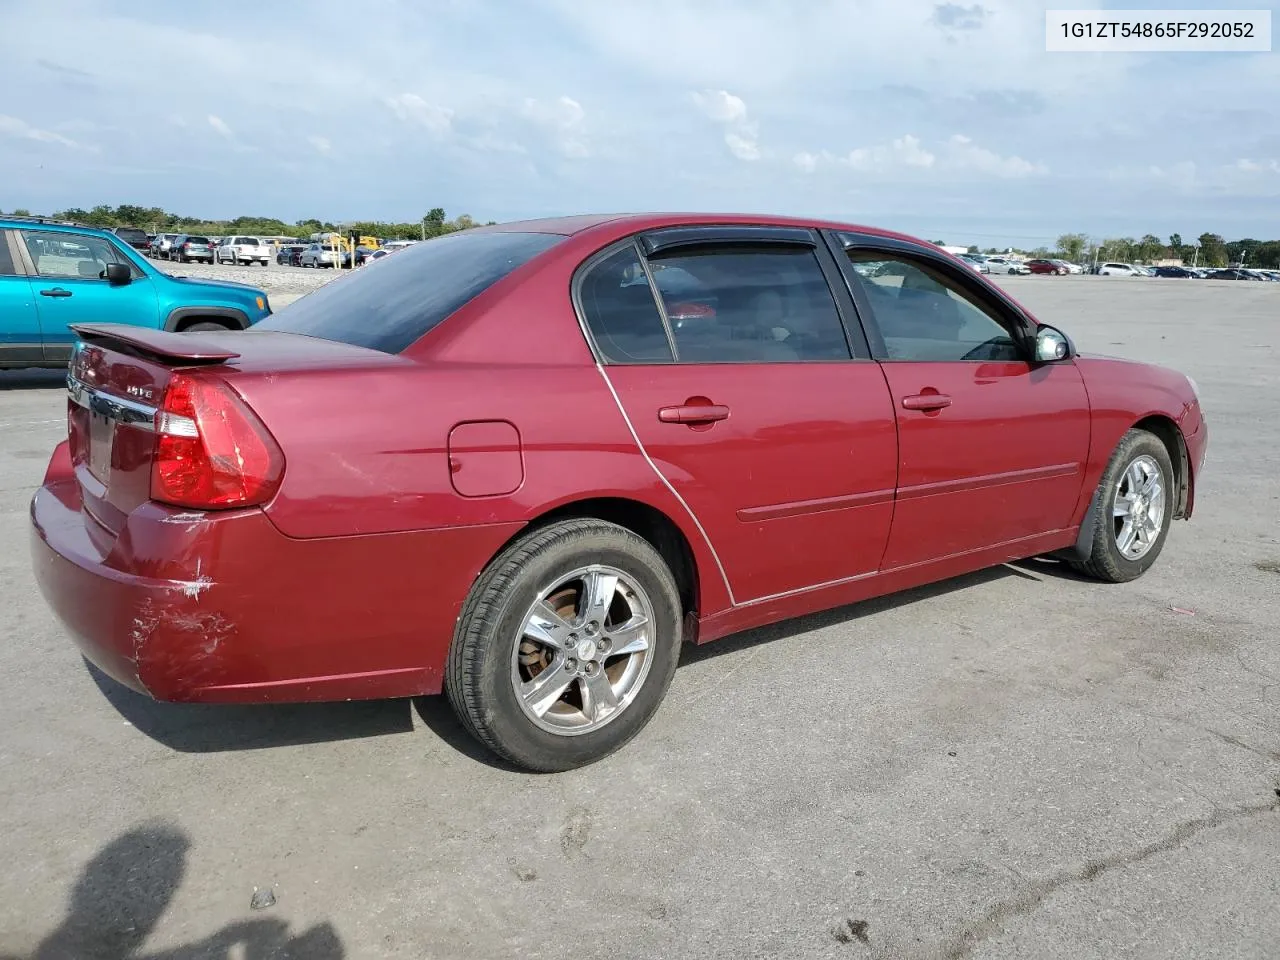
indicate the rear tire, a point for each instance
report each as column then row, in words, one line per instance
column 495, row 662
column 1139, row 458
column 205, row 325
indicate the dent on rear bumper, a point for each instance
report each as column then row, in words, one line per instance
column 223, row 607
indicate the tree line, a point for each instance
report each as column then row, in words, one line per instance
column 157, row 220
column 1207, row 250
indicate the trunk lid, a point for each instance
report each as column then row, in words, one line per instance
column 116, row 386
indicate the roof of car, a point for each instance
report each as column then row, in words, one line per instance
column 644, row 221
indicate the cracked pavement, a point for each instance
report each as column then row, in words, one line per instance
column 1014, row 764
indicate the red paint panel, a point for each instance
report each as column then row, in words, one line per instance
column 797, row 434
column 485, row 459
column 1004, row 461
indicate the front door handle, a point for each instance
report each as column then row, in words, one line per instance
column 55, row 292
column 693, row 413
column 926, row 401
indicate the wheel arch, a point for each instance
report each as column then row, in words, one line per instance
column 1166, row 429
column 182, row 317
column 642, row 519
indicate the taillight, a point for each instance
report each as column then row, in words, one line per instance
column 211, row 450
column 77, row 430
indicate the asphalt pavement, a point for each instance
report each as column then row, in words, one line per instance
column 1016, row 763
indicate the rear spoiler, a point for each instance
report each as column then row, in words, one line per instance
column 181, row 348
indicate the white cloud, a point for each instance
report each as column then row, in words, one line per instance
column 16, row 127
column 321, row 145
column 742, row 135
column 411, row 108
column 806, row 161
column 905, row 151
column 963, row 153
column 221, row 127
column 721, row 106
column 1258, row 166
column 563, row 119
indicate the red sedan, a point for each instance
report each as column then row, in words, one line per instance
column 524, row 463
column 1048, row 266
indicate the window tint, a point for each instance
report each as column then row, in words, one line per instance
column 923, row 314
column 390, row 307
column 618, row 306
column 747, row 304
column 81, row 256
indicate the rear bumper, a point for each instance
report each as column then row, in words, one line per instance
column 222, row 607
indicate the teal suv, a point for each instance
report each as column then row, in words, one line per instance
column 55, row 274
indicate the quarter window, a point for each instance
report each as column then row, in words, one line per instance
column 923, row 314
column 7, row 268
column 70, row 255
column 749, row 304
column 619, row 309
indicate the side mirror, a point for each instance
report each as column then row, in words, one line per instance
column 118, row 274
column 1052, row 345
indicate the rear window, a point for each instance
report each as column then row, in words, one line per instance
column 389, row 306
column 130, row 233
column 247, row 241
column 204, row 240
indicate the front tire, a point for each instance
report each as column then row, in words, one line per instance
column 1134, row 510
column 566, row 645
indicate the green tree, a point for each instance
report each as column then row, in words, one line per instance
column 22, row 212
column 973, row 248
column 1213, row 251
column 1150, row 247
column 1175, row 245
column 1071, row 246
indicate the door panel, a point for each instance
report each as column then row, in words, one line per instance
column 68, row 287
column 795, row 486
column 991, row 447
column 1003, row 461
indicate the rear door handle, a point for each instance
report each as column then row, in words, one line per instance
column 693, row 413
column 55, row 292
column 926, row 401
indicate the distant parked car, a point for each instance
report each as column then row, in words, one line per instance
column 977, row 261
column 1232, row 273
column 1055, row 267
column 248, row 250
column 160, row 245
column 1005, row 265
column 134, row 237
column 287, row 255
column 318, row 255
column 1120, row 270
column 187, row 247
column 1181, row 272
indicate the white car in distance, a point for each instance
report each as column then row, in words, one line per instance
column 1120, row 270
column 248, row 250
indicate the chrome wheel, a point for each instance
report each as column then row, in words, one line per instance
column 1138, row 509
column 585, row 649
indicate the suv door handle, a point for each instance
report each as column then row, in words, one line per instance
column 926, row 401
column 55, row 292
column 693, row 413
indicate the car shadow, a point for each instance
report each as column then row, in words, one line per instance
column 123, row 892
column 33, row 378
column 213, row 728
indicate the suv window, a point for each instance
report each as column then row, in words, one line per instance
column 72, row 255
column 749, row 304
column 619, row 309
column 7, row 269
column 389, row 308
column 925, row 315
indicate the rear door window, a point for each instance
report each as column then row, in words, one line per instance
column 389, row 308
column 618, row 306
column 7, row 267
column 749, row 304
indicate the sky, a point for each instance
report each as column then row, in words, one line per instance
column 945, row 120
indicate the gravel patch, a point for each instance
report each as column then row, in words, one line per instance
column 279, row 282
